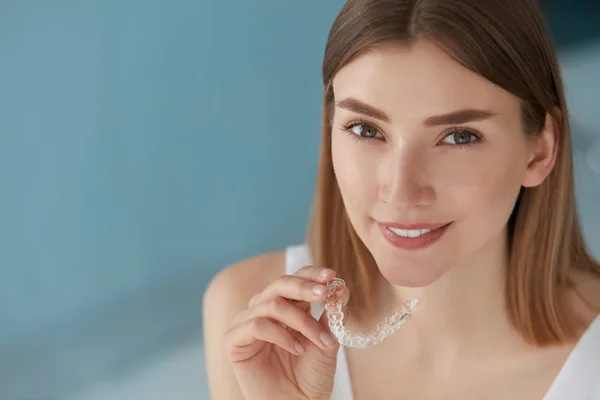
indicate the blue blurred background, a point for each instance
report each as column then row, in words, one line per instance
column 144, row 145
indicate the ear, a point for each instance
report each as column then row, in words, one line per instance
column 543, row 149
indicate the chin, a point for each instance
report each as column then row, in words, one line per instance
column 407, row 267
column 410, row 275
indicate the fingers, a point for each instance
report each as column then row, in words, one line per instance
column 278, row 315
column 316, row 274
column 283, row 312
column 243, row 341
column 307, row 284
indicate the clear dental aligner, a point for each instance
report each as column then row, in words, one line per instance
column 333, row 307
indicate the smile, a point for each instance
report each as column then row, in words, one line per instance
column 413, row 237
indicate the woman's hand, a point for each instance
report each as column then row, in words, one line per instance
column 278, row 350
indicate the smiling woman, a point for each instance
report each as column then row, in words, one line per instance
column 428, row 107
column 445, row 176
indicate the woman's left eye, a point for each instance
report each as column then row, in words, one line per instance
column 461, row 137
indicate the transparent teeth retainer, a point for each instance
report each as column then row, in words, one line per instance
column 335, row 315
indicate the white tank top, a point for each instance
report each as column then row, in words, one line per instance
column 578, row 379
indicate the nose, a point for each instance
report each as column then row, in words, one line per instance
column 404, row 180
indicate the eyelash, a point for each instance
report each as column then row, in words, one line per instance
column 449, row 132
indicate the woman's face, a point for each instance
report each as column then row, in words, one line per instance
column 419, row 142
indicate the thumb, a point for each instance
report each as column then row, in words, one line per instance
column 323, row 362
column 337, row 320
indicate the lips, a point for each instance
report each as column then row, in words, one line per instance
column 415, row 237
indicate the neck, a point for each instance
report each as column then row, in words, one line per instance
column 461, row 313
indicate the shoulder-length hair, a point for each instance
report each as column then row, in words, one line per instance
column 507, row 43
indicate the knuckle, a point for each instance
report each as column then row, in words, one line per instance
column 253, row 300
column 297, row 286
column 277, row 305
column 306, row 268
column 285, row 280
column 256, row 324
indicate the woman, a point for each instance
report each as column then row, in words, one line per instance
column 445, row 175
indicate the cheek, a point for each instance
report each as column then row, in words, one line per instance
column 353, row 170
column 486, row 182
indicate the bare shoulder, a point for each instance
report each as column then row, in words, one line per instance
column 227, row 294
column 236, row 284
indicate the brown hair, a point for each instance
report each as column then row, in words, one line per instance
column 507, row 43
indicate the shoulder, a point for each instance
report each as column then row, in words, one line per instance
column 245, row 278
column 230, row 290
column 227, row 294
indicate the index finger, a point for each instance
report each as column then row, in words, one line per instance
column 317, row 274
column 297, row 287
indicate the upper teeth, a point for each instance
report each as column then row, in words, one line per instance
column 411, row 233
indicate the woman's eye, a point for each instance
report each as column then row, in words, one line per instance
column 460, row 137
column 365, row 131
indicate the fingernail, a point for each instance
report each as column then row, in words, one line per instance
column 325, row 272
column 299, row 348
column 319, row 290
column 327, row 340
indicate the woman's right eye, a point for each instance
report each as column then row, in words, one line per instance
column 364, row 131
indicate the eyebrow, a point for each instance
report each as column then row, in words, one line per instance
column 454, row 117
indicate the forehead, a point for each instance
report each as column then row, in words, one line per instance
column 416, row 81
